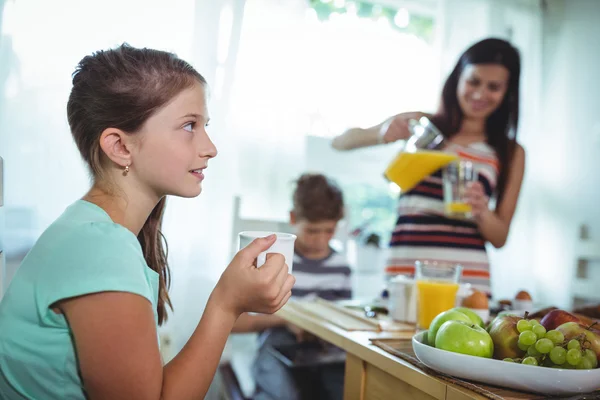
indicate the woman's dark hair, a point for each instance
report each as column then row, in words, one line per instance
column 501, row 125
column 121, row 88
column 317, row 199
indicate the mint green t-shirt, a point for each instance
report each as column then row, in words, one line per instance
column 82, row 252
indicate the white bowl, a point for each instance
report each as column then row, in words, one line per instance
column 510, row 375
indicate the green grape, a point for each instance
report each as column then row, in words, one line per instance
column 590, row 355
column 547, row 363
column 527, row 338
column 557, row 337
column 584, row 364
column 574, row 356
column 573, row 344
column 532, row 351
column 539, row 331
column 558, row 355
column 522, row 347
column 544, row 345
column 529, row 361
column 509, row 360
column 534, row 322
column 523, row 325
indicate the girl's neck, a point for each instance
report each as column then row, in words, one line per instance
column 128, row 210
column 471, row 130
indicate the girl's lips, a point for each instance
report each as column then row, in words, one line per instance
column 478, row 105
column 198, row 173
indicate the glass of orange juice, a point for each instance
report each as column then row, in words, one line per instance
column 455, row 177
column 437, row 285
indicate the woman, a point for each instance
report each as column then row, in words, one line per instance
column 478, row 116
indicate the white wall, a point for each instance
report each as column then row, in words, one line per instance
column 565, row 160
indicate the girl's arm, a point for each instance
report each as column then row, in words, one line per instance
column 256, row 323
column 116, row 339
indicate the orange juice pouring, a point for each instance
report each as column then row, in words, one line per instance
column 437, row 285
column 410, row 168
column 420, row 157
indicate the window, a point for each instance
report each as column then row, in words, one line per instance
column 311, row 69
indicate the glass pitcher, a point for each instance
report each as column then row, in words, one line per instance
column 420, row 157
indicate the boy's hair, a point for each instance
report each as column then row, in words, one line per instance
column 317, row 198
column 121, row 88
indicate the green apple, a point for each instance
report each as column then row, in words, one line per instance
column 473, row 316
column 465, row 338
column 450, row 315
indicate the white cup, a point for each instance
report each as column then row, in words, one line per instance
column 284, row 245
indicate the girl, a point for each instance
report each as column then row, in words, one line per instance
column 479, row 114
column 80, row 317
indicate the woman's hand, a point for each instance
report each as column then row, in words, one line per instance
column 396, row 128
column 245, row 288
column 476, row 197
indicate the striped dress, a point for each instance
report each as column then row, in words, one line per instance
column 423, row 232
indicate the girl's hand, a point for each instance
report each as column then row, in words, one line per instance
column 476, row 197
column 245, row 288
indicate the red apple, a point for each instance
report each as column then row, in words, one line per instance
column 555, row 318
column 589, row 335
column 505, row 335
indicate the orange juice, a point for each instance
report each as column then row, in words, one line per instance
column 458, row 208
column 408, row 169
column 434, row 297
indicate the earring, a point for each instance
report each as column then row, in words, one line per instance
column 126, row 170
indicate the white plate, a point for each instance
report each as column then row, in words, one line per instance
column 528, row 378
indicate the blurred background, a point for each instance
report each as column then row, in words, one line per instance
column 285, row 77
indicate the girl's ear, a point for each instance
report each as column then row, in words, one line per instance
column 116, row 145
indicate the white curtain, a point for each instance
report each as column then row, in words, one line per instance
column 43, row 170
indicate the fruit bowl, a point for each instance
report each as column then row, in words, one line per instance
column 510, row 375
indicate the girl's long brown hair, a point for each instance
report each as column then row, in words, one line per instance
column 121, row 88
column 501, row 125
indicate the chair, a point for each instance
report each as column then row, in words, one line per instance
column 587, row 273
column 230, row 386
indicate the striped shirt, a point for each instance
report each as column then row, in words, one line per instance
column 327, row 278
column 424, row 232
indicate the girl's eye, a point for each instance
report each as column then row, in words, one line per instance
column 189, row 126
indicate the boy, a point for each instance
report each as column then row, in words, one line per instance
column 319, row 272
